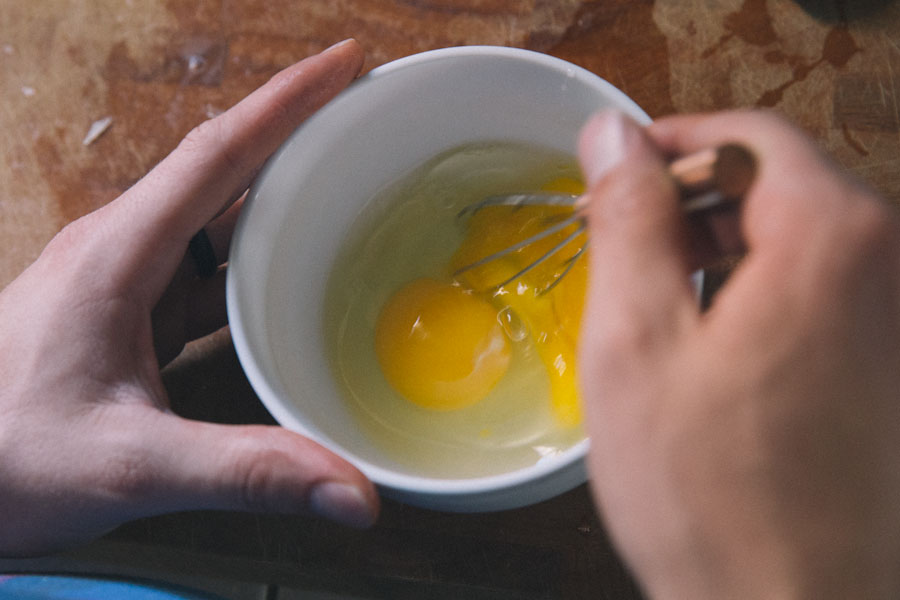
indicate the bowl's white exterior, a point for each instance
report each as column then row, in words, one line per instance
column 298, row 210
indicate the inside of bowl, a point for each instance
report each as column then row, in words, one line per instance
column 390, row 122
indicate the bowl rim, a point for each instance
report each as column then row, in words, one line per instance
column 544, row 467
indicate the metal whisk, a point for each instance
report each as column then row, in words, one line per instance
column 712, row 179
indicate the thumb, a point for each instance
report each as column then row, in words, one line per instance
column 640, row 290
column 256, row 468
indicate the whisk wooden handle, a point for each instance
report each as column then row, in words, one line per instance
column 726, row 172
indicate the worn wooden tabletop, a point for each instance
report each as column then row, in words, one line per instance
column 158, row 68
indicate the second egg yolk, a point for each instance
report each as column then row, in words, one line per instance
column 440, row 346
column 552, row 316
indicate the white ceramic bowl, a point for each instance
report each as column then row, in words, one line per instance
column 302, row 204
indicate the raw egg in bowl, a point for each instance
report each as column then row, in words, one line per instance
column 346, row 305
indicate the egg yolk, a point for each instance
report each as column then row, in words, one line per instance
column 551, row 314
column 440, row 346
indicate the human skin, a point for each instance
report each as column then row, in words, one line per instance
column 752, row 450
column 87, row 440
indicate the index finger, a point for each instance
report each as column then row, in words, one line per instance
column 215, row 163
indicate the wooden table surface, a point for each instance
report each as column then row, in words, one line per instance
column 157, row 68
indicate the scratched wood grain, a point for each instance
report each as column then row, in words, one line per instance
column 158, row 68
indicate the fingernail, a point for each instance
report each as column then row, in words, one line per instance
column 341, row 502
column 338, row 45
column 605, row 143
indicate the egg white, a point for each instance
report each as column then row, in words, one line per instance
column 411, row 230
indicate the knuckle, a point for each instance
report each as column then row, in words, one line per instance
column 201, row 137
column 259, row 477
column 254, row 485
column 280, row 114
column 77, row 259
column 68, row 239
column 209, row 141
column 73, row 251
column 621, row 346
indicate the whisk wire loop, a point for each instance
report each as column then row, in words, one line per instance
column 582, row 224
column 576, row 217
